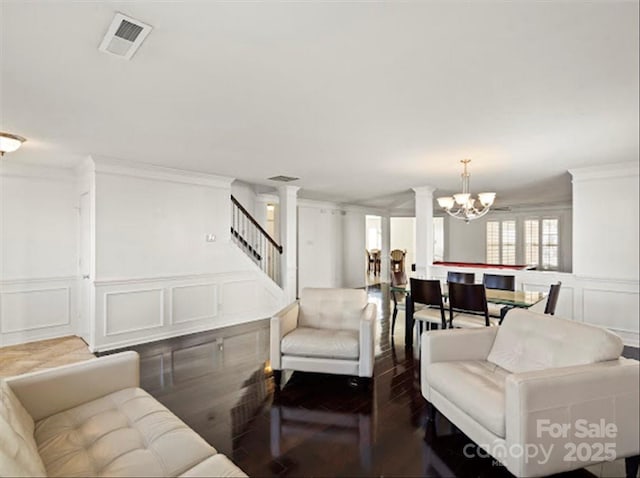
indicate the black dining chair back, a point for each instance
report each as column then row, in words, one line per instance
column 552, row 300
column 428, row 292
column 468, row 298
column 496, row 281
column 461, row 277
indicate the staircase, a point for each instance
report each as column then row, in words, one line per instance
column 255, row 241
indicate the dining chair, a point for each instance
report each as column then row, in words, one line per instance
column 398, row 279
column 375, row 255
column 469, row 304
column 461, row 277
column 397, row 260
column 369, row 261
column 552, row 299
column 500, row 282
column 427, row 292
column 497, row 281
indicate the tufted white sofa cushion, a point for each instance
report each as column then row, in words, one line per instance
column 331, row 308
column 527, row 341
column 217, row 465
column 18, row 450
column 125, row 433
column 475, row 386
column 308, row 342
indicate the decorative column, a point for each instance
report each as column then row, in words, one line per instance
column 289, row 240
column 385, row 249
column 424, row 229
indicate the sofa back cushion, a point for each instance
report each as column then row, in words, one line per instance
column 18, row 450
column 529, row 341
column 331, row 308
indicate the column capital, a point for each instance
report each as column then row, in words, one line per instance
column 289, row 190
column 424, row 190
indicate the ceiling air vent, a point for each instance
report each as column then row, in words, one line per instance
column 283, row 179
column 124, row 36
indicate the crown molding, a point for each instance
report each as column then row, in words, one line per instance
column 605, row 171
column 160, row 173
column 35, row 171
column 424, row 190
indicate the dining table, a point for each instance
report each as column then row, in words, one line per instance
column 510, row 299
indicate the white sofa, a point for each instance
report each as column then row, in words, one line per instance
column 533, row 385
column 92, row 419
column 327, row 330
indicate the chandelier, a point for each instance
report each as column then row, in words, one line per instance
column 466, row 204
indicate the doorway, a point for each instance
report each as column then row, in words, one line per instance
column 373, row 247
column 403, row 238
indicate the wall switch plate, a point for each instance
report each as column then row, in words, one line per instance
column 211, row 237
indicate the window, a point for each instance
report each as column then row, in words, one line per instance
column 542, row 242
column 501, row 242
column 493, row 242
column 532, row 242
column 550, row 242
column 508, row 242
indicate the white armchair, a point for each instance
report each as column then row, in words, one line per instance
column 328, row 331
column 526, row 392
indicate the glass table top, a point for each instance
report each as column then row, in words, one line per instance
column 517, row 298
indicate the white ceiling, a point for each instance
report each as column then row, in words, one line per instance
column 361, row 100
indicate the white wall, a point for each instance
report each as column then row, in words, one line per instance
column 606, row 221
column 606, row 245
column 152, row 273
column 467, row 242
column 331, row 245
column 147, row 227
column 156, row 274
column 246, row 195
column 39, row 252
column 354, row 259
column 319, row 245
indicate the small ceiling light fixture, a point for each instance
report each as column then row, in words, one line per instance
column 10, row 142
column 466, row 209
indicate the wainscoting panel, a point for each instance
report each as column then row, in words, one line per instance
column 136, row 310
column 193, row 302
column 24, row 310
column 613, row 309
column 132, row 311
column 239, row 297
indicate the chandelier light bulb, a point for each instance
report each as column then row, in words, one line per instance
column 10, row 142
column 446, row 202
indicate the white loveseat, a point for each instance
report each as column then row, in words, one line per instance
column 533, row 386
column 328, row 331
column 92, row 419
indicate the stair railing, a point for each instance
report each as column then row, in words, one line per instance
column 255, row 241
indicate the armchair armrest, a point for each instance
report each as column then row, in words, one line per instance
column 451, row 345
column 48, row 392
column 605, row 394
column 367, row 335
column 281, row 324
column 457, row 344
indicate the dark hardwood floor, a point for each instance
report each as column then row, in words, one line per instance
column 221, row 385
